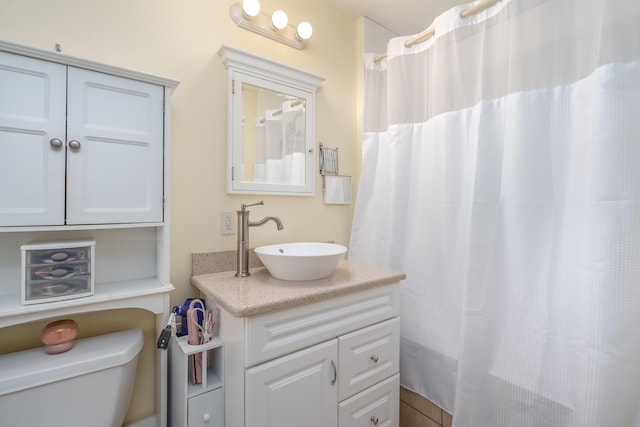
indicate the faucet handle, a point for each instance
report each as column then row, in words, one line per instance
column 243, row 206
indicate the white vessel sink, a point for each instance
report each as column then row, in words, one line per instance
column 301, row 261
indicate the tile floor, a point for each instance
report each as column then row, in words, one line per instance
column 416, row 411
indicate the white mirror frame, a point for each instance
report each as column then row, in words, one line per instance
column 257, row 71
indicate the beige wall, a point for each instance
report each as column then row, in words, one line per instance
column 180, row 40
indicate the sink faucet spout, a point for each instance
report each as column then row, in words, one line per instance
column 242, row 254
column 265, row 219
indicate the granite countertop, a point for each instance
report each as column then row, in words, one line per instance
column 261, row 293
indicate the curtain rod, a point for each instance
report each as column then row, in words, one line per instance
column 431, row 31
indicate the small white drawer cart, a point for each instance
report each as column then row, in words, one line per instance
column 57, row 271
column 196, row 405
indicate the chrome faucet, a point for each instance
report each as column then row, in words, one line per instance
column 242, row 254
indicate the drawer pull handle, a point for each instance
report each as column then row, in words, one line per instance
column 375, row 420
column 374, row 358
column 206, row 417
column 335, row 373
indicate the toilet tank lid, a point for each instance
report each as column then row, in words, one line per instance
column 33, row 368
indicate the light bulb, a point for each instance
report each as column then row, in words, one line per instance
column 251, row 7
column 304, row 30
column 279, row 19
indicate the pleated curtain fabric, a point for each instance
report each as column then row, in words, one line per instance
column 501, row 172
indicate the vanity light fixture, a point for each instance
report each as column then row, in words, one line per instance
column 251, row 8
column 304, row 31
column 249, row 16
column 279, row 19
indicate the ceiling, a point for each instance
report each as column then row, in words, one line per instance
column 403, row 17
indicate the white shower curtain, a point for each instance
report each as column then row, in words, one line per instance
column 501, row 172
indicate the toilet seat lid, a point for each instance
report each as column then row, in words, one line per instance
column 33, row 368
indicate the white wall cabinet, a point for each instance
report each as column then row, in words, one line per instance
column 32, row 111
column 331, row 363
column 101, row 134
column 84, row 155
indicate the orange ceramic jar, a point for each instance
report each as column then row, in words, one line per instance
column 58, row 336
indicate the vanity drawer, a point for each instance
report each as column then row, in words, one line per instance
column 367, row 356
column 274, row 334
column 376, row 406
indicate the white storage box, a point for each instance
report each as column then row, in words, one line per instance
column 57, row 271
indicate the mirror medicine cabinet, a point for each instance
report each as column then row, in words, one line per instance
column 270, row 126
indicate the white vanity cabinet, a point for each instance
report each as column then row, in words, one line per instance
column 329, row 363
column 78, row 146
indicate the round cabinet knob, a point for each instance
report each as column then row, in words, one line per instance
column 56, row 143
column 74, row 145
column 374, row 358
column 374, row 420
column 206, row 418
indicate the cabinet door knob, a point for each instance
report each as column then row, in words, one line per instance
column 56, row 143
column 206, row 417
column 74, row 145
column 374, row 420
column 374, row 358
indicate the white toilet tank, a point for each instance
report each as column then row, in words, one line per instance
column 87, row 386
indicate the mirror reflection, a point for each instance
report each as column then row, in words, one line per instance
column 274, row 135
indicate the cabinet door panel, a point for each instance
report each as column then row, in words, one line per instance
column 294, row 390
column 32, row 112
column 116, row 174
column 378, row 405
column 367, row 356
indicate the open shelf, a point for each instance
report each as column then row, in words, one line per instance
column 142, row 293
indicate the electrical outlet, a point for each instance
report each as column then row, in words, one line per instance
column 228, row 223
